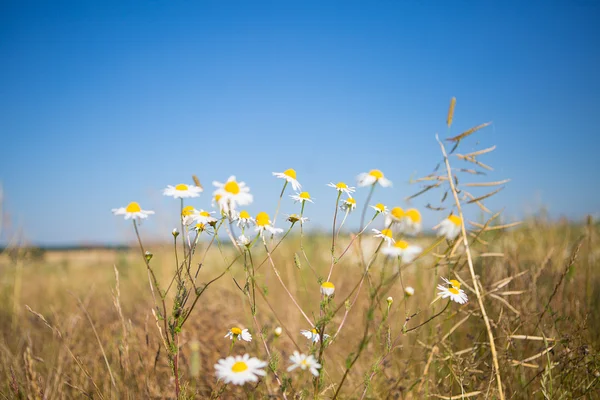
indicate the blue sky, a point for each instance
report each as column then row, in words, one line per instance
column 107, row 102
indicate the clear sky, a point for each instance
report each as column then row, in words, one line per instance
column 106, row 102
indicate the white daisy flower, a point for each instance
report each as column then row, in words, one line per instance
column 290, row 176
column 348, row 204
column 233, row 194
column 302, row 197
column 411, row 222
column 239, row 334
column 204, row 217
column 244, row 219
column 403, row 250
column 200, row 227
column 263, row 223
column 304, row 362
column 187, row 214
column 452, row 290
column 395, row 216
column 133, row 210
column 409, row 291
column 182, row 191
column 450, row 227
column 293, row 218
column 342, row 187
column 327, row 288
column 372, row 177
column 240, row 369
column 243, row 240
column 386, row 234
column 380, row 209
column 313, row 335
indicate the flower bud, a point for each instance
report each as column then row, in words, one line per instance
column 175, row 232
column 409, row 291
column 278, row 331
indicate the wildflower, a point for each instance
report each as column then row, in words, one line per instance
column 450, row 227
column 313, row 335
column 133, row 210
column 204, row 217
column 187, row 214
column 175, row 232
column 380, row 209
column 243, row 240
column 303, row 361
column 385, row 234
column 293, row 218
column 327, row 288
column 233, row 194
column 348, row 204
column 199, row 227
column 278, row 331
column 452, row 290
column 263, row 223
column 403, row 250
column 411, row 223
column 390, row 300
column 372, row 177
column 244, row 219
column 302, row 197
column 182, row 191
column 409, row 291
column 290, row 176
column 395, row 216
column 342, row 187
column 237, row 333
column 240, row 369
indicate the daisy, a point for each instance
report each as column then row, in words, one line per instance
column 182, row 191
column 240, row 369
column 452, row 290
column 411, row 222
column 409, row 291
column 187, row 214
column 385, row 234
column 372, row 177
column 450, row 227
column 204, row 217
column 243, row 240
column 244, row 219
column 199, row 227
column 302, row 197
column 395, row 216
column 313, row 335
column 380, row 209
column 133, row 210
column 303, row 361
column 327, row 288
column 293, row 218
column 348, row 204
column 403, row 250
column 290, row 176
column 233, row 194
column 342, row 187
column 263, row 223
column 237, row 333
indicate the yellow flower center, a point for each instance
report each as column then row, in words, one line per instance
column 341, row 185
column 304, row 195
column 244, row 214
column 380, row 207
column 290, row 172
column 414, row 215
column 455, row 283
column 401, row 244
column 314, row 331
column 133, row 207
column 262, row 219
column 453, row 290
column 236, row 331
column 387, row 233
column 218, row 197
column 304, row 362
column 375, row 173
column 239, row 366
column 397, row 212
column 351, row 201
column 454, row 219
column 232, row 187
column 205, row 213
column 327, row 285
column 200, row 226
column 187, row 211
column 181, row 186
